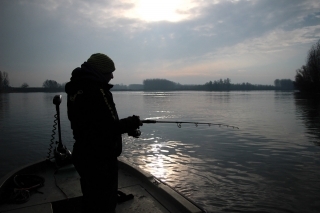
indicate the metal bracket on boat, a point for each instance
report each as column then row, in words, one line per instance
column 156, row 181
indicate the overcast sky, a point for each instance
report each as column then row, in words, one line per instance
column 185, row 41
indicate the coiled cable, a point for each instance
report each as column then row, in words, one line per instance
column 52, row 137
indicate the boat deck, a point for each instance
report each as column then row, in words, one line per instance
column 150, row 194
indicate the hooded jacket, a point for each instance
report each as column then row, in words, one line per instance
column 92, row 113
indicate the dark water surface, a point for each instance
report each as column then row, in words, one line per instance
column 271, row 164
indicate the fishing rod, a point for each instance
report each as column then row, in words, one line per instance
column 179, row 123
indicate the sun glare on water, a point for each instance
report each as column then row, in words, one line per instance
column 161, row 10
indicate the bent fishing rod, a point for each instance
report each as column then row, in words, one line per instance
column 179, row 123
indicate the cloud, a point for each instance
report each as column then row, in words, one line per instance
column 273, row 42
column 210, row 38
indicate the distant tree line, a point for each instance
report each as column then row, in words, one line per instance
column 307, row 78
column 219, row 85
column 160, row 84
column 4, row 81
column 51, row 84
column 155, row 84
column 284, row 84
column 24, row 85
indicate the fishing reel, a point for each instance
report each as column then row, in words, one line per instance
column 134, row 133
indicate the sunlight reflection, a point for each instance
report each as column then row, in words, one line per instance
column 156, row 166
column 163, row 159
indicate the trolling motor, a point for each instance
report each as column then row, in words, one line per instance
column 61, row 154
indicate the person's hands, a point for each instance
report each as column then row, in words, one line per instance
column 130, row 124
column 133, row 122
column 134, row 133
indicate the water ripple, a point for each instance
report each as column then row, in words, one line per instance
column 271, row 164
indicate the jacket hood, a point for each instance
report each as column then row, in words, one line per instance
column 85, row 74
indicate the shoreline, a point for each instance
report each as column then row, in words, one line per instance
column 49, row 90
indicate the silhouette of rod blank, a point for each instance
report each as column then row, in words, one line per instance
column 187, row 122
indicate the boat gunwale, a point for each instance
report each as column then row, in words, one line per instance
column 184, row 203
column 155, row 185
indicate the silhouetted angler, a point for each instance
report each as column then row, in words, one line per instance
column 97, row 131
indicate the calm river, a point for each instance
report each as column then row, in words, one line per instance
column 270, row 164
